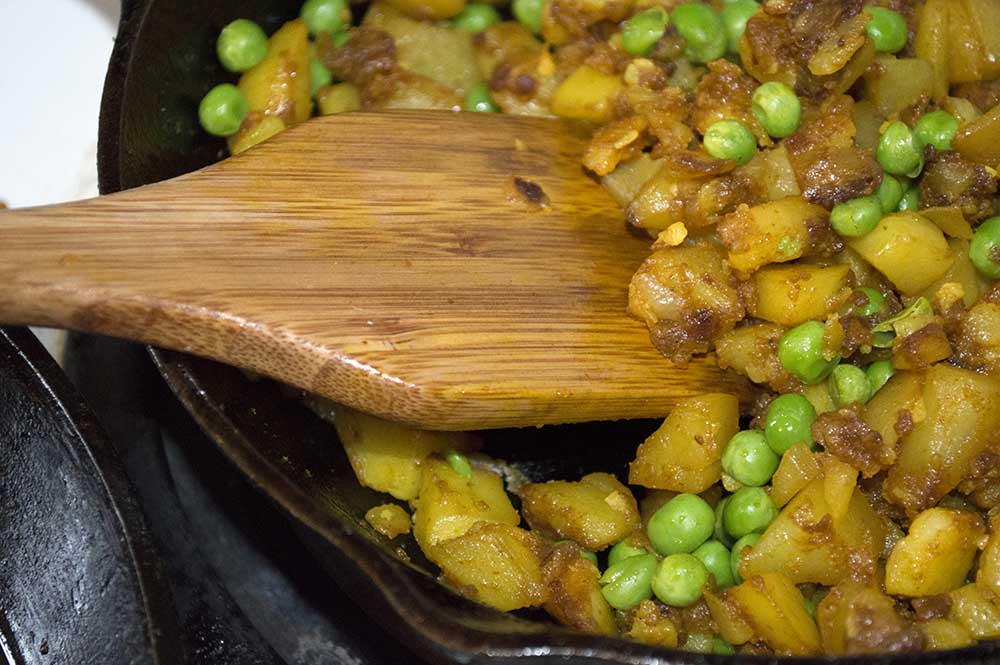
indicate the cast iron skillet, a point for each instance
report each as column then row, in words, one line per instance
column 163, row 62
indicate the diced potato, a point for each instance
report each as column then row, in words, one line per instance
column 449, row 505
column 790, row 295
column 773, row 232
column 597, row 511
column 628, row 178
column 962, row 416
column 650, row 625
column 279, row 84
column 979, row 141
column 257, row 127
column 415, row 91
column 778, row 174
column 497, row 564
column 573, row 596
column 389, row 519
column 983, row 15
column 893, row 83
column 805, row 543
column 440, row 53
column 797, row 469
column 968, row 60
column 977, row 611
column 775, row 609
column 961, row 272
column 936, row 555
column 728, row 617
column 338, row 98
column 867, row 121
column 386, row 456
column 988, row 572
column 839, row 482
column 931, row 43
column 960, row 107
column 683, row 454
column 896, row 408
column 753, row 351
column 950, row 220
column 587, row 94
column 908, row 249
column 433, row 10
column 855, row 619
column 942, row 634
column 819, row 396
column 506, row 41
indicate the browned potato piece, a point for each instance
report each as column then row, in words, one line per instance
column 386, row 456
column 942, row 634
column 893, row 83
column 683, row 454
column 936, row 554
column 753, row 351
column 773, row 232
column 257, row 127
column 628, row 178
column 596, row 511
column 573, row 596
column 977, row 341
column 977, row 611
column 652, row 624
column 807, row 544
column 895, row 409
column 279, row 84
column 855, row 619
column 775, row 609
column 389, row 519
column 728, row 616
column 988, row 573
column 790, row 295
column 449, row 505
column 908, row 249
column 962, row 416
column 797, row 469
column 497, row 564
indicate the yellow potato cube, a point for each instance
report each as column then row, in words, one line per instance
column 798, row 467
column 587, row 94
column 773, row 232
column 683, row 454
column 449, row 505
column 936, row 555
column 279, row 84
column 433, row 10
column 257, row 127
column 988, row 573
column 908, row 249
column 497, row 564
column 389, row 519
column 977, row 611
column 773, row 606
column 386, row 456
column 338, row 98
column 790, row 295
column 573, row 595
column 942, row 634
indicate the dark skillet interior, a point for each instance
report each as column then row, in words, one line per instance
column 162, row 64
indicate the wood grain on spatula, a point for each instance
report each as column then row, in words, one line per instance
column 448, row 270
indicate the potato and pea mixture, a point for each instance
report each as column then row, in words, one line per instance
column 818, row 182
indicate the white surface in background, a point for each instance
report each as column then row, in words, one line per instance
column 53, row 56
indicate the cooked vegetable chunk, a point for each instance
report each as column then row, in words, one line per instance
column 936, row 554
column 776, row 610
column 908, row 249
column 855, row 619
column 573, row 596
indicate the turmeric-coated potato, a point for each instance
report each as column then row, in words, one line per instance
column 774, row 607
column 857, row 619
column 279, row 84
column 587, row 94
column 790, row 295
column 936, row 555
column 573, row 595
column 977, row 610
column 773, row 232
column 909, row 249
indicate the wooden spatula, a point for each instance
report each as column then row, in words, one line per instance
column 453, row 271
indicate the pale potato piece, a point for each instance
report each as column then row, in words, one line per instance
column 977, row 611
column 683, row 454
column 587, row 94
column 941, row 634
column 772, row 232
column 389, row 519
column 449, row 505
column 497, row 564
column 650, row 625
column 798, row 467
column 988, row 573
column 936, row 554
column 386, row 455
column 773, row 606
column 908, row 249
column 790, row 295
column 279, row 84
column 728, row 616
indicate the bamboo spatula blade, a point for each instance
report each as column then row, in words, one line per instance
column 454, row 271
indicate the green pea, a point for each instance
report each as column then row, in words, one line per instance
column 680, row 580
column 800, row 351
column 879, row 373
column 810, row 605
column 856, row 217
column 241, row 45
column 937, row 128
column 702, row 31
column 899, row 151
column 589, row 556
column 849, row 384
column 985, row 248
column 479, row 100
column 739, row 549
column 715, row 556
column 749, row 459
column 681, row 524
column 476, row 17
column 319, row 75
column 730, row 139
column 622, row 550
column 628, row 582
column 887, row 29
column 529, row 13
column 749, row 510
column 910, row 200
column 875, row 302
column 718, row 531
column 722, row 647
column 325, row 15
column 789, row 421
column 643, row 30
column 777, row 108
column 458, row 462
column 341, row 38
column 734, row 17
column 222, row 110
column 890, row 193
